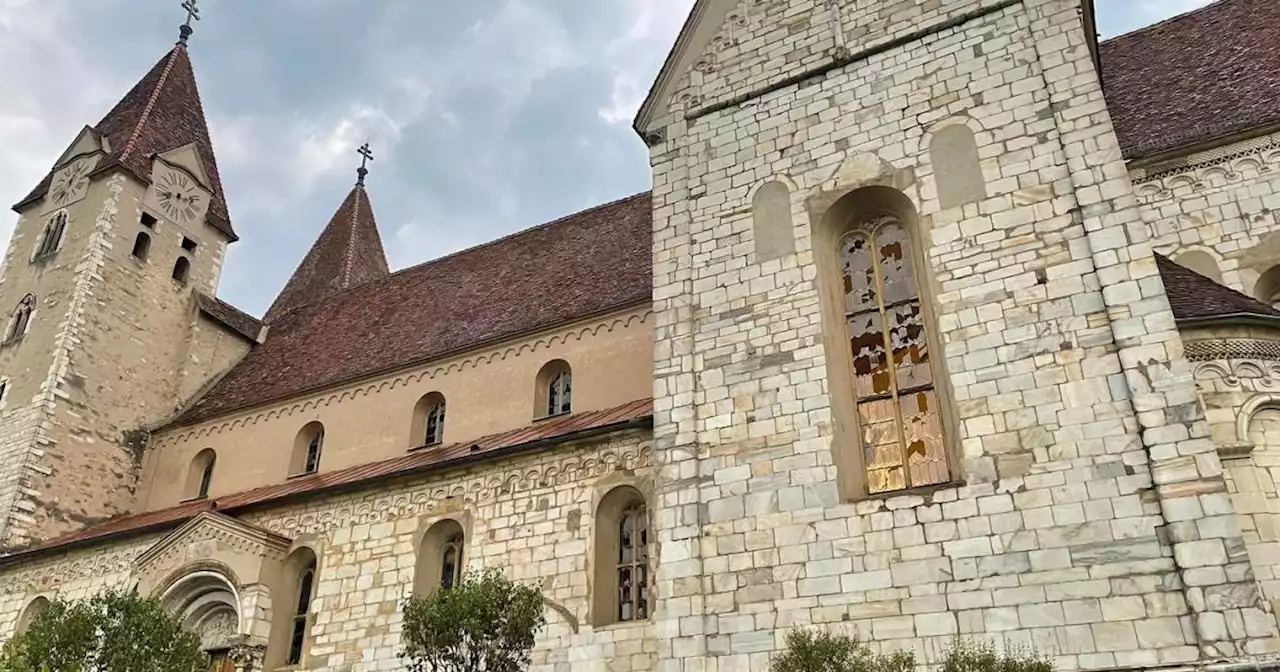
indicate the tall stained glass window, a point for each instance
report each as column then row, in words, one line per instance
column 900, row 428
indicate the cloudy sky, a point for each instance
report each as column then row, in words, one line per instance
column 486, row 116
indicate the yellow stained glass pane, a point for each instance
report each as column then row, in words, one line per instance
column 870, row 361
column 926, row 455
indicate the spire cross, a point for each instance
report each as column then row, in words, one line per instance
column 366, row 155
column 193, row 14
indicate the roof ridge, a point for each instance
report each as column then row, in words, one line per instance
column 1158, row 24
column 151, row 103
column 350, row 255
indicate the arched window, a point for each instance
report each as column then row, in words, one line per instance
column 51, row 238
column 555, row 389
column 622, row 558
column 441, row 557
column 30, row 614
column 181, row 269
column 306, row 450
column 301, row 615
column 293, row 618
column 141, row 246
column 200, row 474
column 21, row 319
column 428, row 421
column 897, row 404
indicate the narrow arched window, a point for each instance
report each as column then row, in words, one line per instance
column 51, row 238
column 29, row 615
column 451, row 562
column 441, row 557
column 200, row 474
column 20, row 320
column 555, row 389
column 181, row 269
column 622, row 573
column 301, row 614
column 428, row 421
column 897, row 405
column 141, row 246
column 307, row 448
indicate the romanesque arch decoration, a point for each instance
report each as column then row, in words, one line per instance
column 208, row 603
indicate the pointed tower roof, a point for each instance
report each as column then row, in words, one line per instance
column 162, row 112
column 348, row 253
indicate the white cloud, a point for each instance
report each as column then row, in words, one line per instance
column 653, row 26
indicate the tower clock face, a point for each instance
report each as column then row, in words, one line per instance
column 71, row 182
column 179, row 196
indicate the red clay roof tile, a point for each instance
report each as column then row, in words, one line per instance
column 160, row 113
column 347, row 253
column 586, row 264
column 1203, row 75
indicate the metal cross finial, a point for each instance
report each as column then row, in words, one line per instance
column 193, row 14
column 366, row 156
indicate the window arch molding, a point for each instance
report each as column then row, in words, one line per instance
column 308, row 449
column 441, row 555
column 553, row 391
column 622, row 557
column 907, row 391
column 200, row 474
column 428, row 425
column 1244, row 419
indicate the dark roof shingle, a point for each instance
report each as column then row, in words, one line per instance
column 162, row 112
column 347, row 253
column 586, row 264
column 235, row 319
column 1203, row 75
column 1194, row 297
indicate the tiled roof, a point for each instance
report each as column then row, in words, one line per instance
column 635, row 414
column 235, row 319
column 1195, row 297
column 162, row 112
column 1206, row 74
column 586, row 264
column 347, row 253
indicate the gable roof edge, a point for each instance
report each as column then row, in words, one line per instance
column 677, row 59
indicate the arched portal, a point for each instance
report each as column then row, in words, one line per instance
column 208, row 604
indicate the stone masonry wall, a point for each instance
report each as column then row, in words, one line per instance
column 1093, row 521
column 1221, row 201
column 531, row 516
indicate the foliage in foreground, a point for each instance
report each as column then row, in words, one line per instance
column 821, row 651
column 110, row 632
column 486, row 623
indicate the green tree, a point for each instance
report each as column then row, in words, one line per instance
column 822, row 651
column 111, row 632
column 485, row 623
column 966, row 656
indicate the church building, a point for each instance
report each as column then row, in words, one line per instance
column 942, row 319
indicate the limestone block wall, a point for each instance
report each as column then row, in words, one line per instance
column 533, row 517
column 1088, row 515
column 1221, row 203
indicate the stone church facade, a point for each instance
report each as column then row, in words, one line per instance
column 941, row 319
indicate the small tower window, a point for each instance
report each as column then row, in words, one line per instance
column 21, row 319
column 200, row 474
column 181, row 269
column 52, row 237
column 141, row 246
column 148, row 221
column 188, row 244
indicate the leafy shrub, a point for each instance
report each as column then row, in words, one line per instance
column 821, row 651
column 966, row 656
column 110, row 632
column 484, row 623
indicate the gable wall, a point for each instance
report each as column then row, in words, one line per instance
column 486, row 391
column 1076, row 425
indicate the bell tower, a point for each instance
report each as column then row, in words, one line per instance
column 99, row 290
